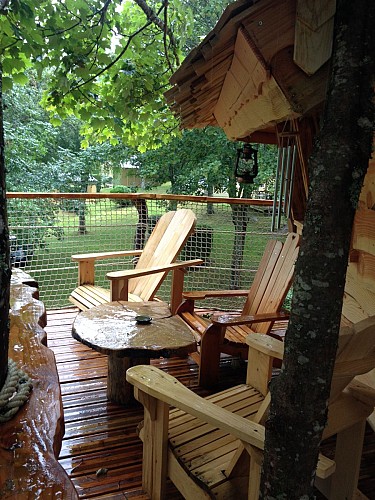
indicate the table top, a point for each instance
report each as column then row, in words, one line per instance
column 112, row 328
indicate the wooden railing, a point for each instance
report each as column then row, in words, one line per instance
column 47, row 228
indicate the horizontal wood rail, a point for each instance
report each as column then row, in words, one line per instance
column 143, row 196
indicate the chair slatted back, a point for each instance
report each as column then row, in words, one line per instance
column 273, row 280
column 162, row 247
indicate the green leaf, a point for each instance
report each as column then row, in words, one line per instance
column 55, row 121
column 7, row 65
column 6, row 27
column 20, row 78
column 7, row 83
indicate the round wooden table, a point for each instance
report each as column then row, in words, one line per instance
column 112, row 329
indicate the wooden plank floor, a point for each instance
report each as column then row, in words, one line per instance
column 101, row 436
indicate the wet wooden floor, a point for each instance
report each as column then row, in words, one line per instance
column 101, row 450
column 100, row 435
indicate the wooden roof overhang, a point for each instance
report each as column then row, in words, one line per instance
column 265, row 62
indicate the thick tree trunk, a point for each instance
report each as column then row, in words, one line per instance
column 82, row 217
column 172, row 205
column 141, row 229
column 210, row 192
column 337, row 168
column 240, row 218
column 5, row 271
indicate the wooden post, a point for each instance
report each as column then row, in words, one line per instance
column 119, row 289
column 86, row 272
column 177, row 289
column 348, row 460
column 140, row 232
column 155, row 445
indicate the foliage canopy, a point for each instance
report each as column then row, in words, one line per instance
column 111, row 61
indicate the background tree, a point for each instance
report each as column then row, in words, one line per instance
column 338, row 165
column 198, row 161
column 43, row 157
column 205, row 14
column 202, row 162
column 30, row 139
column 103, row 55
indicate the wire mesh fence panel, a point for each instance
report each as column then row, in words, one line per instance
column 46, row 230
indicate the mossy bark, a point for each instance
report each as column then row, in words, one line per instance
column 5, row 271
column 337, row 168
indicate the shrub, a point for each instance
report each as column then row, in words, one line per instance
column 121, row 203
column 31, row 224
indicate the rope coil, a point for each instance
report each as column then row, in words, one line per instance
column 15, row 391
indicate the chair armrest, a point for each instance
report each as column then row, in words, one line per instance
column 163, row 387
column 105, row 255
column 204, row 294
column 234, row 320
column 134, row 273
column 362, row 392
column 266, row 344
column 166, row 388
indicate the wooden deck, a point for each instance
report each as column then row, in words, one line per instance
column 101, row 450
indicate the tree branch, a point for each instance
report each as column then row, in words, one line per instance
column 112, row 63
column 165, row 37
column 162, row 25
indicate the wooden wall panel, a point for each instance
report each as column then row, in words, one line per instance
column 314, row 33
column 359, row 301
column 359, row 297
column 367, row 197
column 250, row 97
column 364, row 231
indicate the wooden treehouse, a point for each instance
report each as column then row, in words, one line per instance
column 261, row 75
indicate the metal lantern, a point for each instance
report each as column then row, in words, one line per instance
column 246, row 164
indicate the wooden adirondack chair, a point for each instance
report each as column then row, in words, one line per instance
column 262, row 308
column 156, row 260
column 212, row 447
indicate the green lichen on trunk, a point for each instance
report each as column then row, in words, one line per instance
column 5, row 271
column 336, row 169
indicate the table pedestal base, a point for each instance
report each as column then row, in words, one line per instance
column 118, row 389
column 112, row 329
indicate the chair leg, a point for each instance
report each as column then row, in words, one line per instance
column 176, row 289
column 210, row 356
column 119, row 289
column 348, row 460
column 155, row 445
column 256, row 459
